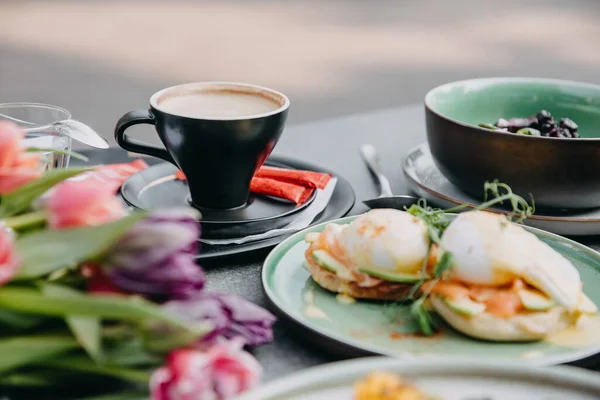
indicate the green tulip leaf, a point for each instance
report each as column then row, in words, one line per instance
column 24, row 350
column 19, row 321
column 129, row 395
column 31, row 220
column 131, row 353
column 87, row 330
column 21, row 199
column 26, row 379
column 127, row 308
column 85, row 365
column 48, row 251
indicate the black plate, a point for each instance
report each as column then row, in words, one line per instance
column 157, row 187
column 341, row 202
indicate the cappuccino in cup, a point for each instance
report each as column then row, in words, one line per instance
column 217, row 133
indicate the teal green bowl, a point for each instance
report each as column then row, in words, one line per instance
column 558, row 172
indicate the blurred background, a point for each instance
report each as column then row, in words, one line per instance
column 101, row 58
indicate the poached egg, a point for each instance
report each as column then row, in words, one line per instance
column 384, row 239
column 489, row 250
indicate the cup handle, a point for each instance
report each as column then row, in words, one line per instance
column 137, row 117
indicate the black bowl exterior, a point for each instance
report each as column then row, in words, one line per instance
column 559, row 173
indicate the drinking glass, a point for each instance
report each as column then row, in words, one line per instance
column 38, row 121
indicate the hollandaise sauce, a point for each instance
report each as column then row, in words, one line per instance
column 583, row 334
column 311, row 310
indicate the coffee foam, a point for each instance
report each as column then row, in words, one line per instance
column 279, row 100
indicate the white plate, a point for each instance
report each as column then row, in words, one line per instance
column 448, row 379
column 427, row 181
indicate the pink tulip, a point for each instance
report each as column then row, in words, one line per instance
column 82, row 203
column 11, row 137
column 9, row 260
column 13, row 178
column 17, row 167
column 219, row 373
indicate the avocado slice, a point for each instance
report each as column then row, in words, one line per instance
column 327, row 261
column 535, row 301
column 392, row 276
column 465, row 306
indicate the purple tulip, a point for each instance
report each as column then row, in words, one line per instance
column 157, row 256
column 230, row 315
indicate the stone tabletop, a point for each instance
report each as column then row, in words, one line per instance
column 333, row 144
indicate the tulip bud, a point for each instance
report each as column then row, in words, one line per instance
column 157, row 257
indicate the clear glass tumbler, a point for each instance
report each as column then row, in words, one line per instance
column 38, row 121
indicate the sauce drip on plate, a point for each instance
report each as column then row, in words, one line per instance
column 583, row 334
column 345, row 299
column 311, row 310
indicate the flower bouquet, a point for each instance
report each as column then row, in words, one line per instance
column 92, row 293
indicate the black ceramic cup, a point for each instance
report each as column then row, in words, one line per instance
column 218, row 153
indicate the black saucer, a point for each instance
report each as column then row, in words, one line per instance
column 157, row 187
column 341, row 202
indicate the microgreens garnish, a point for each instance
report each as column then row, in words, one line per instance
column 419, row 310
column 437, row 220
column 444, row 264
column 422, row 315
column 501, row 192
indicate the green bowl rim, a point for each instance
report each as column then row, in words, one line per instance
column 431, row 92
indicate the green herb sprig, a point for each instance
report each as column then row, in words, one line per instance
column 420, row 310
column 421, row 313
column 500, row 193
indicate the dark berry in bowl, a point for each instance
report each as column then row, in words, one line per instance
column 543, row 116
column 566, row 123
column 547, row 127
column 564, row 133
column 543, row 124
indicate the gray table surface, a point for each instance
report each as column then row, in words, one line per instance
column 334, row 144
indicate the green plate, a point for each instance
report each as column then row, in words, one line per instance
column 366, row 328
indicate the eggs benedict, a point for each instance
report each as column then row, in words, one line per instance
column 504, row 283
column 380, row 255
